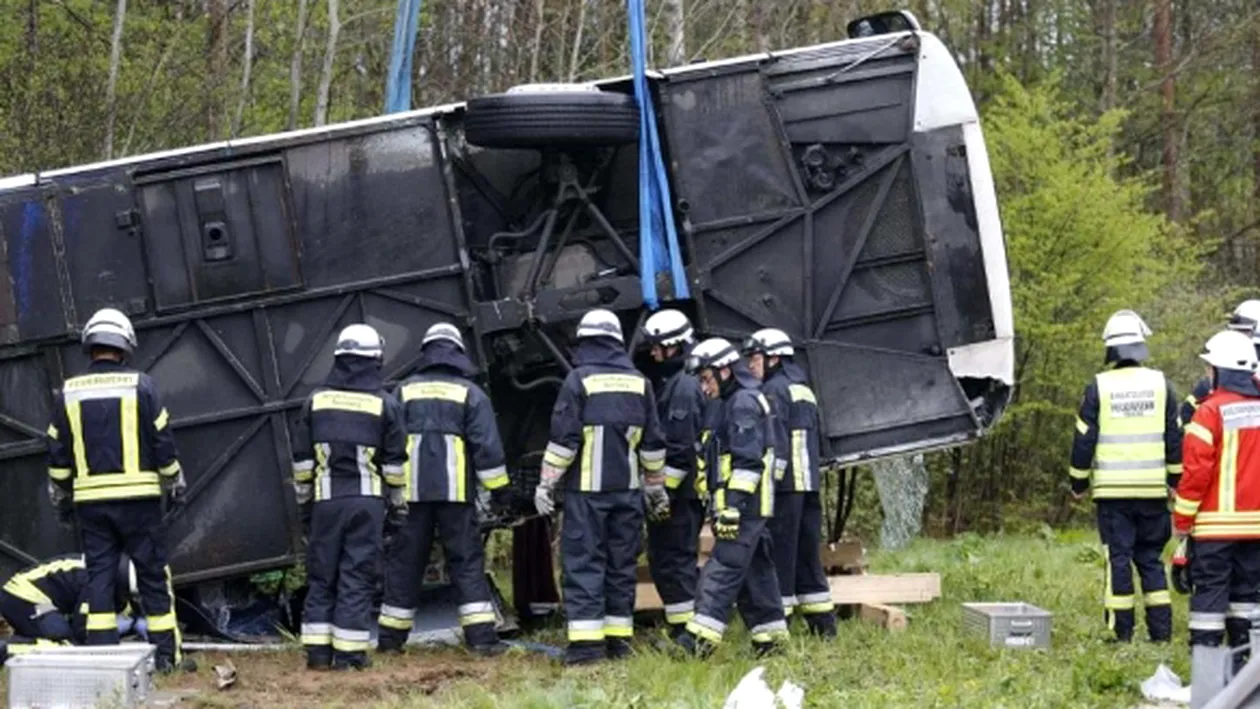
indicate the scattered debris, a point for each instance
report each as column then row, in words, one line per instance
column 225, row 675
column 1165, row 686
column 752, row 692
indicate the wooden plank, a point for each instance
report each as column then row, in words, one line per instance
column 647, row 599
column 885, row 588
column 844, row 557
column 892, row 619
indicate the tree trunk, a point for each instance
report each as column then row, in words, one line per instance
column 676, row 31
column 295, row 65
column 540, row 16
column 216, row 66
column 111, row 88
column 1164, row 64
column 248, row 62
column 1110, row 58
column 326, row 71
column 575, row 59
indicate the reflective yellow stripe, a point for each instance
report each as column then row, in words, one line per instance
column 395, row 623
column 125, row 491
column 59, row 473
column 169, row 470
column 767, row 483
column 321, row 469
column 1129, row 459
column 1173, row 468
column 1157, row 598
column 128, row 411
column 701, row 631
column 52, row 432
column 161, row 623
column 461, row 470
column 679, row 618
column 1118, row 603
column 618, row 631
column 102, row 622
column 614, row 384
column 1189, row 508
column 585, row 635
column 799, row 455
column 349, row 645
column 27, row 591
column 825, row 607
column 476, row 618
column 1081, row 427
column 588, row 457
column 1079, row 474
column 496, row 482
column 74, row 413
column 348, row 401
column 800, row 392
column 1228, row 473
column 163, row 418
column 413, row 441
column 444, row 391
column 1201, row 432
column 1210, row 530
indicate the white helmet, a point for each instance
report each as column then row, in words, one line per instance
column 668, row 327
column 1246, row 317
column 600, row 323
column 713, row 353
column 770, row 342
column 443, row 331
column 361, row 341
column 1125, row 327
column 109, row 328
column 1230, row 349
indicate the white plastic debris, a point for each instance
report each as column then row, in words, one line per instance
column 1165, row 686
column 752, row 692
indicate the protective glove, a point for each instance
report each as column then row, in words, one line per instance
column 544, row 498
column 657, row 502
column 396, row 517
column 62, row 503
column 726, row 526
column 1181, row 568
column 780, row 468
column 176, row 489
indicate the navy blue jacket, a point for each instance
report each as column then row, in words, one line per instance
column 680, row 406
column 743, row 447
column 447, row 417
column 797, row 425
column 605, row 418
column 349, row 436
column 110, row 437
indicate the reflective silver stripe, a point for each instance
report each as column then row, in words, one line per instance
column 367, row 472
column 711, row 623
column 789, row 601
column 317, row 628
column 586, row 625
column 632, row 457
column 492, row 473
column 805, row 464
column 452, row 469
column 413, row 460
column 303, row 466
column 597, row 460
column 543, row 608
column 1242, row 610
column 471, row 608
column 675, row 473
column 1128, row 464
column 399, row 613
column 746, row 477
column 354, row 636
column 324, row 475
column 780, row 465
column 1207, row 621
column 1130, row 438
column 820, row 597
column 392, row 469
column 618, row 621
column 653, row 455
column 772, row 626
column 94, row 394
column 1240, row 415
column 684, row 607
column 560, row 451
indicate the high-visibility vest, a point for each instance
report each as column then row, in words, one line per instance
column 1129, row 461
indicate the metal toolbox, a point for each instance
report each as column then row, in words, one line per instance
column 1008, row 624
column 144, row 651
column 50, row 680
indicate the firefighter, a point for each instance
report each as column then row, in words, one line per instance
column 453, row 449
column 1218, row 499
column 348, row 452
column 796, row 527
column 1245, row 319
column 1127, row 452
column 110, row 452
column 45, row 602
column 604, row 420
column 741, row 566
column 673, row 543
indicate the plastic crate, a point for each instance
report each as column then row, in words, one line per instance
column 144, row 651
column 1008, row 624
column 78, row 681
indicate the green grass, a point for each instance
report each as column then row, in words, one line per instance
column 932, row 664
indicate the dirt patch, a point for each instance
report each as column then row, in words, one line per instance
column 282, row 680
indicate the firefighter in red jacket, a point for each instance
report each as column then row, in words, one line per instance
column 1218, row 498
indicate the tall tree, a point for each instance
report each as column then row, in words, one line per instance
column 1163, row 36
column 675, row 32
column 247, row 66
column 295, row 64
column 216, row 65
column 111, row 88
column 326, row 71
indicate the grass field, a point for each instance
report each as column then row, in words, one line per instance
column 930, row 665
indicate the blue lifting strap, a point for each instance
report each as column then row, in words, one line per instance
column 398, row 80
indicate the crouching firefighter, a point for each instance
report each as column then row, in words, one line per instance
column 45, row 604
column 453, row 450
column 1127, row 452
column 741, row 566
column 1218, row 498
column 1244, row 319
column 796, row 527
column 111, row 451
column 604, row 420
column 348, row 453
column 673, row 542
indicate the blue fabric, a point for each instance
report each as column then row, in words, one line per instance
column 398, row 80
column 658, row 237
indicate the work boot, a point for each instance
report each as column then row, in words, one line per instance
column 618, row 648
column 822, row 625
column 319, row 658
column 390, row 644
column 766, row 649
column 343, row 661
column 691, row 645
column 493, row 649
column 168, row 665
column 584, row 653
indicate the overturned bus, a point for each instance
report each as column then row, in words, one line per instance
column 841, row 192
